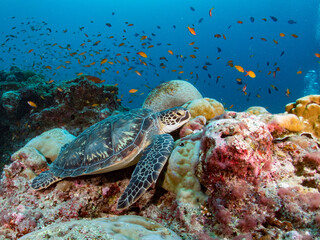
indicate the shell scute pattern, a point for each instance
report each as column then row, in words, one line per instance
column 104, row 144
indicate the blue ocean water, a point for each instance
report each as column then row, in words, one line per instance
column 37, row 34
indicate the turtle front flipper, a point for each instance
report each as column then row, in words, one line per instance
column 148, row 169
column 44, row 180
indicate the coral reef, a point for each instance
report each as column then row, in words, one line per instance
column 129, row 227
column 239, row 175
column 171, row 94
column 207, row 107
column 30, row 105
column 308, row 110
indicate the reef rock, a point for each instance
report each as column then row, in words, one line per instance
column 10, row 102
column 171, row 94
column 129, row 227
column 308, row 110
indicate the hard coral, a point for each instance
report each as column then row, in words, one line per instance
column 50, row 142
column 257, row 110
column 31, row 157
column 171, row 94
column 288, row 121
column 207, row 107
column 308, row 109
column 180, row 175
column 122, row 227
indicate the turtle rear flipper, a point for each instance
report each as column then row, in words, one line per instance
column 148, row 169
column 44, row 180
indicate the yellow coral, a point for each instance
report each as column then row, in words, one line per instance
column 180, row 175
column 256, row 110
column 288, row 121
column 207, row 107
column 308, row 110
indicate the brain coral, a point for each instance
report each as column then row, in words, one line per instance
column 307, row 108
column 171, row 94
column 209, row 108
column 122, row 227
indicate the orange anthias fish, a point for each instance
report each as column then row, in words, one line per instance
column 51, row 81
column 103, row 61
column 239, row 68
column 30, row 50
column 210, row 12
column 244, row 89
column 191, row 30
column 169, row 51
column 142, row 54
column 137, row 72
column 250, row 74
column 317, row 55
column 133, row 90
column 288, row 92
column 94, row 79
column 32, row 104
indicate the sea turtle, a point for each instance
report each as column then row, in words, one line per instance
column 117, row 142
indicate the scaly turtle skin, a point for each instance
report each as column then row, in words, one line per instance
column 118, row 142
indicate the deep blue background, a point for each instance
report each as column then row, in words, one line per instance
column 29, row 30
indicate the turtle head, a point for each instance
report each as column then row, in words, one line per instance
column 173, row 118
